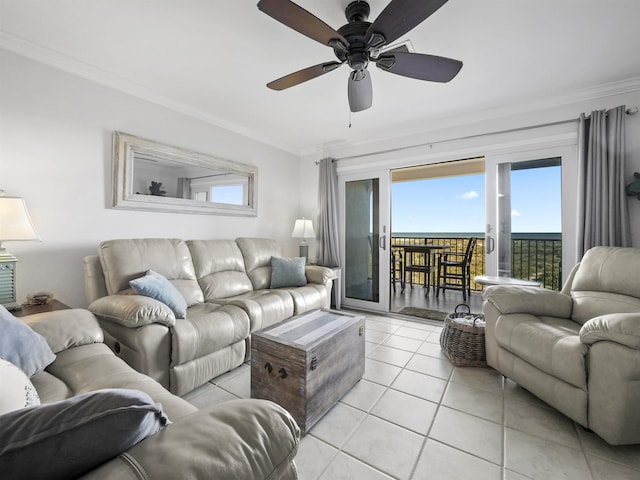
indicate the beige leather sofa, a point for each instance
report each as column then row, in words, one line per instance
column 226, row 286
column 248, row 439
column 579, row 349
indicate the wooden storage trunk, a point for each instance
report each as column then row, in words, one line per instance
column 306, row 363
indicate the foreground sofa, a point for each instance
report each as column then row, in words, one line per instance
column 247, row 439
column 227, row 287
column 579, row 349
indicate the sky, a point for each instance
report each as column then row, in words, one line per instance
column 457, row 204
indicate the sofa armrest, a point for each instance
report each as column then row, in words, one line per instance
column 244, row 439
column 133, row 310
column 532, row 300
column 622, row 328
column 64, row 329
column 318, row 274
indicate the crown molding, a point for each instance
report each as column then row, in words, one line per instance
column 475, row 117
column 85, row 70
column 90, row 72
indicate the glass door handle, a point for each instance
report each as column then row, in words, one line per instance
column 490, row 243
column 383, row 242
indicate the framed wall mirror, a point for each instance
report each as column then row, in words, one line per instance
column 153, row 176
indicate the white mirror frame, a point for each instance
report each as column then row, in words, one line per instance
column 126, row 146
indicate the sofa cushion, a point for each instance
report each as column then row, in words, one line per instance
column 288, row 272
column 95, row 367
column 208, row 328
column 22, row 346
column 17, row 390
column 219, row 267
column 601, row 284
column 264, row 307
column 257, row 253
column 156, row 286
column 68, row 438
column 550, row 344
column 127, row 259
column 310, row 297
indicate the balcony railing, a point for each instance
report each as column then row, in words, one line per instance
column 536, row 259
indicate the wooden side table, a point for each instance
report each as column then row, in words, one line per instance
column 52, row 306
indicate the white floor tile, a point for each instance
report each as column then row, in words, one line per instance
column 394, row 356
column 436, row 367
column 415, row 333
column 345, row 467
column 439, row 461
column 410, row 412
column 380, row 372
column 541, row 422
column 364, row 395
column 423, row 386
column 403, row 343
column 338, row 424
column 313, row 457
column 541, row 459
column 480, row 403
column 471, row 434
column 208, row 395
column 602, row 469
column 385, row 446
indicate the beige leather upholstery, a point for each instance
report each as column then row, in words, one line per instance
column 220, row 269
column 248, row 439
column 257, row 253
column 225, row 304
column 579, row 349
column 125, row 260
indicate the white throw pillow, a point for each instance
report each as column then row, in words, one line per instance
column 17, row 390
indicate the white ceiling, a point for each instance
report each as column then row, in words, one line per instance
column 212, row 59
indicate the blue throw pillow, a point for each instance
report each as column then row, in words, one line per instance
column 22, row 346
column 288, row 272
column 156, row 286
column 67, row 439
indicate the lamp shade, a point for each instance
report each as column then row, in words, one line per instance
column 15, row 223
column 303, row 229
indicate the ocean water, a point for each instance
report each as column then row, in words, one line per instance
column 514, row 236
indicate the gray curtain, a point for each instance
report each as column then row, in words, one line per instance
column 603, row 217
column 327, row 233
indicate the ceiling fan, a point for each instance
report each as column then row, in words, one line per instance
column 359, row 42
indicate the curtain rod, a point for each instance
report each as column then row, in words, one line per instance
column 628, row 111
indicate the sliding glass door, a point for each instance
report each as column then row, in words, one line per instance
column 530, row 232
column 365, row 240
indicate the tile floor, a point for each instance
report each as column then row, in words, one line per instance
column 415, row 416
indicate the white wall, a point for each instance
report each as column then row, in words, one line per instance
column 473, row 136
column 55, row 152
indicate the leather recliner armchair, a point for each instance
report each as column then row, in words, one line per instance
column 578, row 349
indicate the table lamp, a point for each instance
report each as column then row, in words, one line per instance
column 303, row 229
column 15, row 225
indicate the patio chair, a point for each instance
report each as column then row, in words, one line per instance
column 397, row 268
column 454, row 271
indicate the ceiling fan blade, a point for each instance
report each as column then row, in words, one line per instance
column 398, row 18
column 360, row 91
column 420, row 66
column 297, row 18
column 303, row 75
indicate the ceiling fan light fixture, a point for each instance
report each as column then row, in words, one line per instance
column 360, row 91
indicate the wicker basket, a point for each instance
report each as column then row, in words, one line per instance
column 463, row 344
